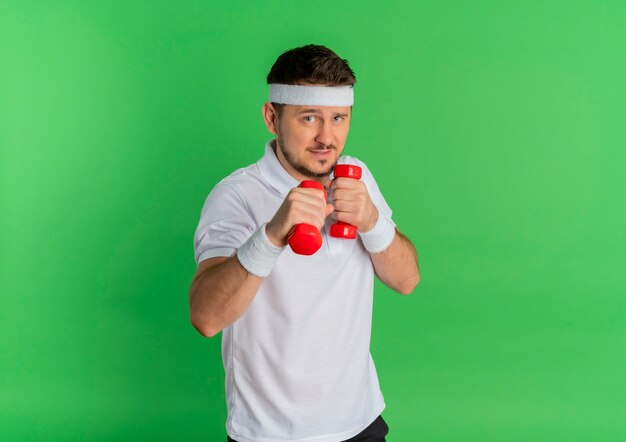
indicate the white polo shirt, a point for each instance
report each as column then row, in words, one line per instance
column 297, row 363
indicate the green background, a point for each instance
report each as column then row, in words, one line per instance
column 496, row 131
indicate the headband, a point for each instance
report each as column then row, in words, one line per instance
column 311, row 95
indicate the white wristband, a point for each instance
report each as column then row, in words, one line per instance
column 258, row 255
column 380, row 237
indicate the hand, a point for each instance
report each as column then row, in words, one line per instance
column 353, row 204
column 306, row 206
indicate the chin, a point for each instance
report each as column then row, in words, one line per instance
column 326, row 169
column 316, row 172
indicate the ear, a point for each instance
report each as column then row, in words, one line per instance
column 270, row 117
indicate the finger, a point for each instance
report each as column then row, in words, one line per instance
column 347, row 206
column 348, row 195
column 343, row 216
column 346, row 183
column 316, row 193
column 302, row 212
column 306, row 207
column 313, row 196
column 342, row 194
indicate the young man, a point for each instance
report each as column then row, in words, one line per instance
column 295, row 328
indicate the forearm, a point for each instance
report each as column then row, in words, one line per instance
column 221, row 295
column 397, row 266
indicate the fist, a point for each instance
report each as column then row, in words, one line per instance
column 300, row 206
column 352, row 204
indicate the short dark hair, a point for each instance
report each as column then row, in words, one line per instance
column 311, row 64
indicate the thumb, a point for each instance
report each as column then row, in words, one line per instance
column 329, row 209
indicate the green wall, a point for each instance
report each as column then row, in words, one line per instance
column 496, row 131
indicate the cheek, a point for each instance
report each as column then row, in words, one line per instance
column 302, row 138
column 341, row 137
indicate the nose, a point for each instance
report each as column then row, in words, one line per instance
column 325, row 134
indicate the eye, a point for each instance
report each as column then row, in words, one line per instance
column 309, row 119
column 339, row 118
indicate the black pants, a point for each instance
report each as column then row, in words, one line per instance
column 376, row 432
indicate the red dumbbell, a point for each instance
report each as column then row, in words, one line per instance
column 341, row 229
column 306, row 239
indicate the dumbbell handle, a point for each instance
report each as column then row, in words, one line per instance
column 306, row 239
column 341, row 229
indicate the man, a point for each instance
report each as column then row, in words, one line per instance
column 296, row 329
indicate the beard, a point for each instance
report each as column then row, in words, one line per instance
column 301, row 167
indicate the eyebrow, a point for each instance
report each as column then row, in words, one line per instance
column 316, row 111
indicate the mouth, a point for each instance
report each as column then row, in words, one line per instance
column 321, row 153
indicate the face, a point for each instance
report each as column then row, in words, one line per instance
column 310, row 139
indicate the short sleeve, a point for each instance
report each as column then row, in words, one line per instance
column 225, row 224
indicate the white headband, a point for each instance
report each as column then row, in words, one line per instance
column 311, row 95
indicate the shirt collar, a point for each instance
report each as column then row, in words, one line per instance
column 274, row 173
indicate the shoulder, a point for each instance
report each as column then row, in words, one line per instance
column 239, row 177
column 238, row 182
column 229, row 194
